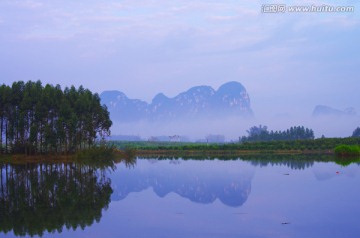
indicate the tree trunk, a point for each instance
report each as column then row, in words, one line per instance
column 1, row 135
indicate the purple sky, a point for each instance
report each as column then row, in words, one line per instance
column 288, row 62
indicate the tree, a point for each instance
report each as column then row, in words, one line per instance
column 37, row 119
column 256, row 131
column 261, row 133
column 356, row 132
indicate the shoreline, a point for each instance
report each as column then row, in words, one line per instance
column 172, row 153
column 53, row 158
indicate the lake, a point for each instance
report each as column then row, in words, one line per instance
column 182, row 198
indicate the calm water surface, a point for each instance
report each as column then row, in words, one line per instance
column 182, row 198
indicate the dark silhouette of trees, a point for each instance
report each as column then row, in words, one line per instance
column 36, row 119
column 257, row 133
column 261, row 133
column 356, row 132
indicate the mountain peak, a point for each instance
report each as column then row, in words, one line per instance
column 201, row 89
column 322, row 110
column 231, row 99
column 232, row 87
column 159, row 98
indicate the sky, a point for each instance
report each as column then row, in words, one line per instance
column 288, row 62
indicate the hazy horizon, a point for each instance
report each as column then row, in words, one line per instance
column 234, row 127
column 289, row 62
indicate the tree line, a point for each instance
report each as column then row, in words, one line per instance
column 261, row 133
column 46, row 119
column 356, row 132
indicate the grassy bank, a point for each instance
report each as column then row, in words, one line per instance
column 101, row 155
column 122, row 150
column 317, row 146
column 347, row 150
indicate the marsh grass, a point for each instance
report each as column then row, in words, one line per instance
column 347, row 150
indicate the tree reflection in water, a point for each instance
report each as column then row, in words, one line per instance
column 35, row 198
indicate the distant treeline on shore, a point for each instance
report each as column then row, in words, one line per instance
column 261, row 133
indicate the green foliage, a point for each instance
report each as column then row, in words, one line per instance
column 347, row 150
column 261, row 133
column 322, row 145
column 36, row 119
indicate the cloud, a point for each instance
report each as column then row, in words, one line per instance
column 143, row 47
column 26, row 4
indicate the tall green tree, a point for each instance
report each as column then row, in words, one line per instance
column 37, row 119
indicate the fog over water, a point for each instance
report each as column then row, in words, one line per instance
column 233, row 128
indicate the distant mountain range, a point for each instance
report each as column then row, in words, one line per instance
column 231, row 99
column 321, row 110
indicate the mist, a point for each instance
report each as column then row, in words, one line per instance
column 328, row 126
column 234, row 127
column 194, row 130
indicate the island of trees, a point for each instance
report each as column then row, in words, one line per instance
column 37, row 119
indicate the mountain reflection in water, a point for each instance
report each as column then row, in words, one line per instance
column 198, row 181
column 35, row 198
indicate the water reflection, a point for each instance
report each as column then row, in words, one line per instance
column 35, row 198
column 198, row 181
column 298, row 162
column 165, row 198
column 292, row 164
column 203, row 180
